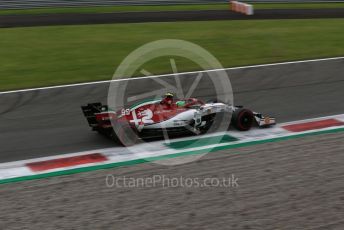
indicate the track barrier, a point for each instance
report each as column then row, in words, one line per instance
column 241, row 7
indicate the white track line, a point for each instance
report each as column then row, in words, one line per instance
column 21, row 169
column 165, row 75
column 121, row 149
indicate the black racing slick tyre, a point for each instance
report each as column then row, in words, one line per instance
column 242, row 119
column 124, row 135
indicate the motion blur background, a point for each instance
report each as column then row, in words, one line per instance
column 291, row 184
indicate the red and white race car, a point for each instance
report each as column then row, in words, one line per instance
column 158, row 118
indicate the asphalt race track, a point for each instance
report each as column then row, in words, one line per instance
column 161, row 16
column 295, row 184
column 49, row 122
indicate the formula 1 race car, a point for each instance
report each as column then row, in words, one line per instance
column 156, row 118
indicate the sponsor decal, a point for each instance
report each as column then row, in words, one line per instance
column 267, row 120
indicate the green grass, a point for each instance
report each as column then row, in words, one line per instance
column 41, row 56
column 109, row 9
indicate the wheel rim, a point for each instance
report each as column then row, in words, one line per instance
column 245, row 120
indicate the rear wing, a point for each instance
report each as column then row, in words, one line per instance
column 90, row 110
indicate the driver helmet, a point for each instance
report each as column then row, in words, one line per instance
column 169, row 95
column 168, row 98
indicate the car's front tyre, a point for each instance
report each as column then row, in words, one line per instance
column 242, row 119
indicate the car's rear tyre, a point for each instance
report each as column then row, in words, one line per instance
column 242, row 119
column 124, row 135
